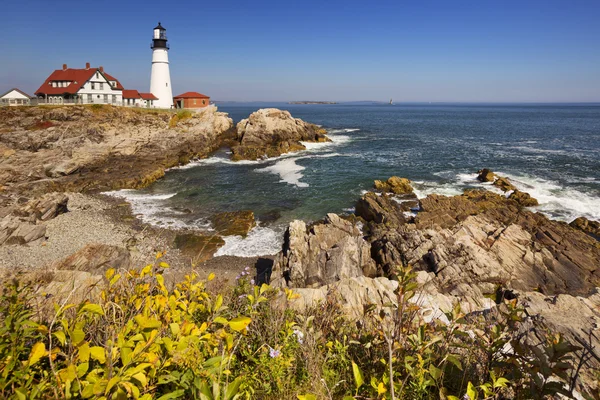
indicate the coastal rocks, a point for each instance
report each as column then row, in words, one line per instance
column 46, row 207
column 523, row 198
column 15, row 231
column 96, row 259
column 592, row 228
column 379, row 209
column 198, row 247
column 82, row 149
column 504, row 184
column 271, row 132
column 323, row 253
column 395, row 185
column 353, row 294
column 485, row 175
column 233, row 223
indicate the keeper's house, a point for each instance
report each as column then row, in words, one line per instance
column 133, row 98
column 80, row 86
column 14, row 97
column 191, row 100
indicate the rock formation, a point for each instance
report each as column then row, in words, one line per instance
column 233, row 223
column 271, row 132
column 321, row 254
column 81, row 148
column 465, row 249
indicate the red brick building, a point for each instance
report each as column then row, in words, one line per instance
column 191, row 100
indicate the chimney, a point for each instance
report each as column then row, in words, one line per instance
column 87, row 65
column 101, row 69
column 64, row 67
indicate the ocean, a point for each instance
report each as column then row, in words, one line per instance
column 550, row 151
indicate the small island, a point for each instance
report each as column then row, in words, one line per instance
column 312, row 102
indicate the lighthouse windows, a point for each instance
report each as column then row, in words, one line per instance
column 166, row 84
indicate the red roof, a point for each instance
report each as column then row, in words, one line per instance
column 131, row 94
column 192, row 95
column 110, row 78
column 148, row 96
column 77, row 77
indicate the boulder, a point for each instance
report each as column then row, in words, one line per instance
column 523, row 198
column 233, row 223
column 395, row 185
column 270, row 132
column 96, row 259
column 504, row 184
column 323, row 253
column 198, row 247
column 590, row 227
column 486, row 175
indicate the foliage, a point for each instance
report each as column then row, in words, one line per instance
column 141, row 339
column 181, row 115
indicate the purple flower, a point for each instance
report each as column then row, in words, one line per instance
column 274, row 353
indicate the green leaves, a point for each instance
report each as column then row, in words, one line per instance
column 358, row 376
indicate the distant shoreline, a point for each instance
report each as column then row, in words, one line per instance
column 312, row 102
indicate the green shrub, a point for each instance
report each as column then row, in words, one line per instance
column 140, row 339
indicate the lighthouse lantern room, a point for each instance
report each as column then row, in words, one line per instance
column 160, row 79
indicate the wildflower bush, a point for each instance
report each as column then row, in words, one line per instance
column 143, row 340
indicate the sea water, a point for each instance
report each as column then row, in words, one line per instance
column 549, row 151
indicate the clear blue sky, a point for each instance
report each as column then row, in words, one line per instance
column 464, row 51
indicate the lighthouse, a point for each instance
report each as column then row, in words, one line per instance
column 160, row 79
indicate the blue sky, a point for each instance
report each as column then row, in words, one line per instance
column 413, row 51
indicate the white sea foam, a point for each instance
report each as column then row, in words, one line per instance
column 288, row 171
column 151, row 209
column 260, row 241
column 557, row 201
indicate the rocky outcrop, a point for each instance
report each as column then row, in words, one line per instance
column 23, row 224
column 321, row 254
column 592, row 228
column 271, row 132
column 233, row 223
column 466, row 249
column 523, row 198
column 196, row 247
column 80, row 148
column 395, row 185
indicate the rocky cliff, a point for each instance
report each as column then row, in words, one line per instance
column 90, row 148
column 271, row 132
column 467, row 249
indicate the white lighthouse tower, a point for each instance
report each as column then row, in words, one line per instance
column 160, row 79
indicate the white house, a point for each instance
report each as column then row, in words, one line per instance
column 137, row 99
column 14, row 97
column 81, row 86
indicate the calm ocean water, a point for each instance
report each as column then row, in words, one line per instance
column 550, row 151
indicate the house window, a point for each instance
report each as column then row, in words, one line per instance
column 203, row 102
column 105, row 98
column 194, row 101
column 97, row 75
column 53, row 84
column 114, row 98
column 101, row 85
column 93, row 86
column 89, row 98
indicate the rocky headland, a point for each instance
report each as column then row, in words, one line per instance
column 271, row 132
column 55, row 160
column 474, row 249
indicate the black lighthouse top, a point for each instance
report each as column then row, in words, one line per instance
column 159, row 38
